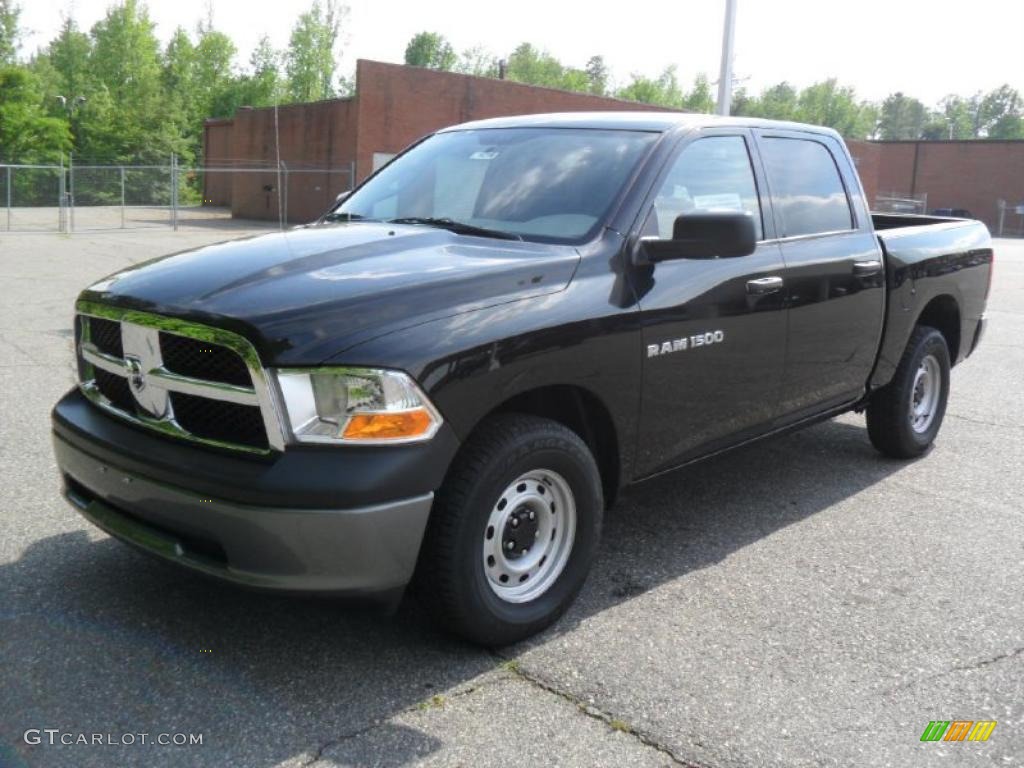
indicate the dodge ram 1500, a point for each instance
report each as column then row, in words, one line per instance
column 447, row 379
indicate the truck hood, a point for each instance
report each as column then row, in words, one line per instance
column 305, row 295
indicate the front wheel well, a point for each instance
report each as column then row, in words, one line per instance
column 582, row 412
column 943, row 314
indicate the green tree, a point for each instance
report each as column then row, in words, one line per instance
column 214, row 71
column 27, row 133
column 663, row 90
column 477, row 61
column 10, row 33
column 128, row 115
column 830, row 104
column 779, row 102
column 530, row 65
column 597, row 75
column 743, row 104
column 1000, row 114
column 901, row 117
column 264, row 85
column 179, row 70
column 310, row 60
column 956, row 118
column 69, row 54
column 431, row 50
column 700, row 98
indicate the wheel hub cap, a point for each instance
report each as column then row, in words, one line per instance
column 529, row 536
column 924, row 399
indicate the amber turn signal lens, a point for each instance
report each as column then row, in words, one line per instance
column 384, row 426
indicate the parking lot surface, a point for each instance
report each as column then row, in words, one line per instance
column 799, row 602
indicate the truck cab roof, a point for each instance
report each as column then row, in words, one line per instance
column 636, row 121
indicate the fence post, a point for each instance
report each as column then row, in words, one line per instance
column 174, row 192
column 284, row 193
column 8, row 198
column 122, row 197
column 62, row 202
column 71, row 191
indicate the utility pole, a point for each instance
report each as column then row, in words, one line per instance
column 725, row 73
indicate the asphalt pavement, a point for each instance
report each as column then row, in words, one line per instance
column 799, row 602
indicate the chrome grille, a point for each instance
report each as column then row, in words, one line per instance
column 180, row 378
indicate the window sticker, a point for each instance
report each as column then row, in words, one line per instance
column 725, row 201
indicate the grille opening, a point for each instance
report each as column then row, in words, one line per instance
column 197, row 547
column 106, row 335
column 79, row 494
column 115, row 389
column 203, row 360
column 219, row 420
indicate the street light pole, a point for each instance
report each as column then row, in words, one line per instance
column 725, row 73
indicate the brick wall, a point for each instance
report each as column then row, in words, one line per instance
column 318, row 135
column 953, row 174
column 218, row 136
column 395, row 105
column 399, row 104
column 866, row 156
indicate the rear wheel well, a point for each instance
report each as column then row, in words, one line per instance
column 943, row 314
column 583, row 413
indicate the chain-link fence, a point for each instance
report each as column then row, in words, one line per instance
column 891, row 202
column 83, row 198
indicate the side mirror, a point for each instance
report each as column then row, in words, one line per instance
column 707, row 235
column 342, row 197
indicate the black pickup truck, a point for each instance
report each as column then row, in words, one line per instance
column 448, row 378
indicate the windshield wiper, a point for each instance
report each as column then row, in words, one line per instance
column 459, row 227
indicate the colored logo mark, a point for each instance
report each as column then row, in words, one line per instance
column 958, row 730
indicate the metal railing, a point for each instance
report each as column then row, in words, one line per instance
column 95, row 197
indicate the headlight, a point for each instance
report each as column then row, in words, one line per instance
column 355, row 405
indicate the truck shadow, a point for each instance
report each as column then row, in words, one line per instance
column 97, row 638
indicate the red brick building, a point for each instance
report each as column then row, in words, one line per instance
column 394, row 105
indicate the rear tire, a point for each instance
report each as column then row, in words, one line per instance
column 513, row 530
column 905, row 416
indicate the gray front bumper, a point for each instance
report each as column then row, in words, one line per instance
column 352, row 551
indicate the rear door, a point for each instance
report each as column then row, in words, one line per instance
column 713, row 329
column 833, row 276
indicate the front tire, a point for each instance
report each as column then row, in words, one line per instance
column 905, row 416
column 513, row 530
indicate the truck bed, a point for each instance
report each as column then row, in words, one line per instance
column 931, row 262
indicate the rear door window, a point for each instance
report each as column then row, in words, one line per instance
column 807, row 190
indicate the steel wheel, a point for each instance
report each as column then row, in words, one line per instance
column 925, row 394
column 529, row 536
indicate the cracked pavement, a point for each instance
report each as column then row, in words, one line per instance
column 800, row 602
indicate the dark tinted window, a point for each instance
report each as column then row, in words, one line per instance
column 547, row 183
column 711, row 174
column 806, row 187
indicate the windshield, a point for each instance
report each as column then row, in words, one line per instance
column 549, row 184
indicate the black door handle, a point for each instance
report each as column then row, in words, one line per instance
column 867, row 268
column 763, row 285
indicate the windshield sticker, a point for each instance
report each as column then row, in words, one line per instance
column 484, row 154
column 727, row 201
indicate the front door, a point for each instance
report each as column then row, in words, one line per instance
column 714, row 330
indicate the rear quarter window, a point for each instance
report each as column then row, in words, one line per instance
column 806, row 187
